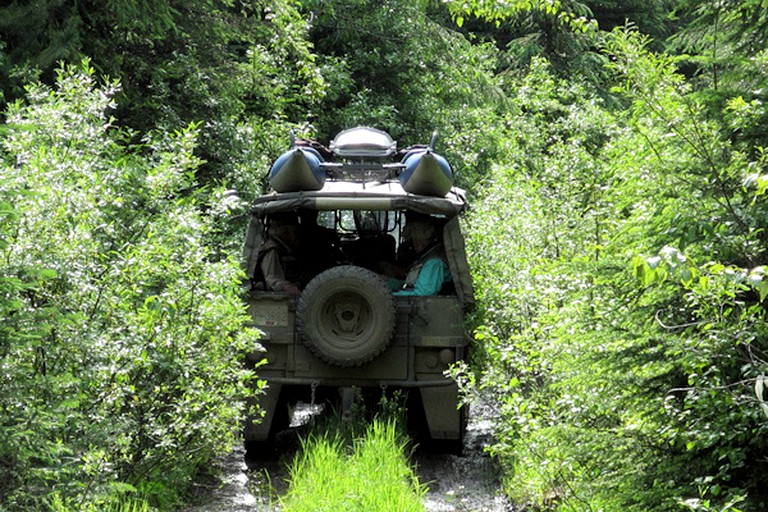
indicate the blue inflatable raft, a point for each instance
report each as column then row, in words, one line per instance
column 297, row 169
column 426, row 173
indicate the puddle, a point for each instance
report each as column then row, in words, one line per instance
column 226, row 489
column 470, row 482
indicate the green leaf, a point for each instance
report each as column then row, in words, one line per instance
column 47, row 273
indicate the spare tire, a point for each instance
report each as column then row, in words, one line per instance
column 346, row 315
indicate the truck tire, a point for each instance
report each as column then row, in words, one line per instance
column 346, row 316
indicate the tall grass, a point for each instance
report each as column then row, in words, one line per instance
column 368, row 473
column 120, row 502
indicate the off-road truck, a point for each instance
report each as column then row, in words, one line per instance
column 346, row 334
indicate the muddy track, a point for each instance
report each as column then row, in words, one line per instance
column 469, row 482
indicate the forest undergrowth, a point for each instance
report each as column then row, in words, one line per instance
column 613, row 154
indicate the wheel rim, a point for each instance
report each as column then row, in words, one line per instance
column 348, row 316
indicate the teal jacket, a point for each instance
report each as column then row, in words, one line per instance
column 426, row 276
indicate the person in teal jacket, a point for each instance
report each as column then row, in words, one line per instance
column 429, row 273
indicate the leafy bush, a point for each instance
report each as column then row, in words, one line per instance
column 626, row 370
column 122, row 329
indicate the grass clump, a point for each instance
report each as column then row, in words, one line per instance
column 371, row 473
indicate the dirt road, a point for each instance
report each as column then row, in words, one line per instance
column 465, row 483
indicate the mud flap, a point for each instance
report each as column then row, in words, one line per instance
column 268, row 402
column 444, row 420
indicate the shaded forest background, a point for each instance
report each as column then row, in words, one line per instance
column 614, row 154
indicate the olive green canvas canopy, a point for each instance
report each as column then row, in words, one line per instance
column 370, row 196
column 346, row 195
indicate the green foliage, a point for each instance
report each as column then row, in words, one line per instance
column 409, row 74
column 230, row 67
column 617, row 234
column 550, row 282
column 559, row 31
column 704, row 503
column 371, row 474
column 177, row 59
column 617, row 370
column 122, row 332
column 500, row 10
